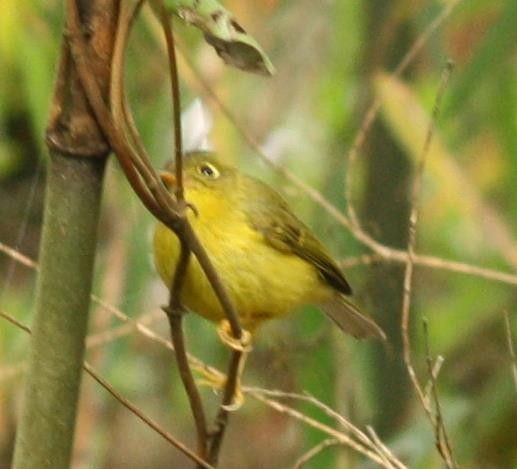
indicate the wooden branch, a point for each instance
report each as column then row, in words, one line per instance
column 175, row 312
column 223, row 415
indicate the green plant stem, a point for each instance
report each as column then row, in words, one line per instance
column 45, row 433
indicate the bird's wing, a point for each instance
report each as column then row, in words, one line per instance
column 272, row 217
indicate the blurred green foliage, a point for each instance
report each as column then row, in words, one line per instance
column 330, row 65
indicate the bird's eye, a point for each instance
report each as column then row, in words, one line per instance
column 208, row 170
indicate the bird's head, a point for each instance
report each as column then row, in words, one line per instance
column 201, row 171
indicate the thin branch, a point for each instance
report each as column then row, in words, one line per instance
column 166, row 22
column 94, row 340
column 15, row 322
column 386, row 254
column 175, row 312
column 175, row 309
column 130, row 162
column 18, row 256
column 315, row 451
column 144, row 418
column 341, row 437
column 383, row 449
column 320, row 405
column 106, row 336
column 223, row 414
column 124, row 401
column 511, row 350
column 442, row 440
column 340, row 419
column 413, row 221
column 149, row 334
column 120, row 108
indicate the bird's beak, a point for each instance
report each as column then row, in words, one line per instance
column 168, row 178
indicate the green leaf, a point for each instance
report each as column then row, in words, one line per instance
column 221, row 30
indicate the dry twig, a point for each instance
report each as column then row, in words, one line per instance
column 442, row 441
column 341, row 437
column 313, row 452
column 357, row 436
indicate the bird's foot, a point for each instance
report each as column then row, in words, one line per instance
column 242, row 344
column 218, row 381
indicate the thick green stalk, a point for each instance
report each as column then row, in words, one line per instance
column 78, row 154
column 386, row 209
column 45, row 434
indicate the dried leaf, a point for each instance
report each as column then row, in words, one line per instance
column 224, row 33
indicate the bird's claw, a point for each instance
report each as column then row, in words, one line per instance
column 243, row 344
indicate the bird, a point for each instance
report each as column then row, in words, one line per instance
column 268, row 260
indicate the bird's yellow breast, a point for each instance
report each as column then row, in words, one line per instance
column 262, row 281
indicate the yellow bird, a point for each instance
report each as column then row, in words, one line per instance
column 269, row 261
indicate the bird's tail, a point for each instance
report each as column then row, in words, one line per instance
column 350, row 320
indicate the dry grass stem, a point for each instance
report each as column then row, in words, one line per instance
column 106, row 336
column 384, row 450
column 341, row 437
column 362, row 439
column 313, row 452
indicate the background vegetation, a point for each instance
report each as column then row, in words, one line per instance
column 332, row 59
